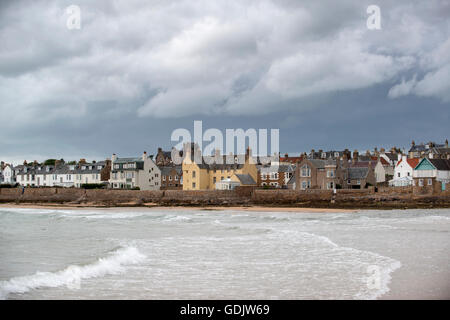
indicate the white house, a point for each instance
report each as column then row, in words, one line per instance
column 25, row 175
column 403, row 172
column 90, row 173
column 140, row 172
column 8, row 175
column 43, row 176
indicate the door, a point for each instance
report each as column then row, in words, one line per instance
column 443, row 185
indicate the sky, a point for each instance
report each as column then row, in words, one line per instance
column 136, row 70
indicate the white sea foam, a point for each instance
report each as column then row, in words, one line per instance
column 385, row 264
column 113, row 264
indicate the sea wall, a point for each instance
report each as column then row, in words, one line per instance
column 365, row 198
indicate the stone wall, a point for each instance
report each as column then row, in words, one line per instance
column 344, row 198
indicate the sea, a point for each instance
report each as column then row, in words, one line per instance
column 175, row 253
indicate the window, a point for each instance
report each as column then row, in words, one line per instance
column 399, row 174
column 193, row 174
column 306, row 171
column 430, row 182
column 330, row 173
column 164, row 178
column 420, row 182
column 214, row 180
column 170, row 178
column 358, row 181
column 409, row 173
column 193, row 185
column 176, row 178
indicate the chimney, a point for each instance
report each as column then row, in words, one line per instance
column 159, row 150
column 446, row 143
column 413, row 143
column 400, row 157
column 144, row 155
column 355, row 156
column 248, row 154
column 345, row 160
column 113, row 157
column 368, row 153
column 82, row 161
column 286, row 155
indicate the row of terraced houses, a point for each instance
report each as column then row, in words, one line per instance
column 424, row 165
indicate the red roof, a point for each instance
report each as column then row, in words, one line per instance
column 412, row 162
column 292, row 160
column 383, row 160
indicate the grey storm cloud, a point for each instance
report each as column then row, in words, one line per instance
column 141, row 59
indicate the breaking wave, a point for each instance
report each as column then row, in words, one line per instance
column 72, row 275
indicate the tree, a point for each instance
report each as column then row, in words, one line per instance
column 49, row 162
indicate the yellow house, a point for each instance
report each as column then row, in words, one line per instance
column 203, row 176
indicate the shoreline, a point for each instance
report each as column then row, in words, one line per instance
column 151, row 206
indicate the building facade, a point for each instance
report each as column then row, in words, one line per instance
column 132, row 173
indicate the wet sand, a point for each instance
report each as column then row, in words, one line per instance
column 152, row 206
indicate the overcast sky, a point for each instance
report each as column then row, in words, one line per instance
column 138, row 69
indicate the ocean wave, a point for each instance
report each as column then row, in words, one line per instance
column 115, row 263
column 385, row 265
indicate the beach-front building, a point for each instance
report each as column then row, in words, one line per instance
column 276, row 176
column 432, row 175
column 316, row 174
column 43, row 176
column 8, row 174
column 199, row 174
column 171, row 177
column 403, row 172
column 136, row 172
column 92, row 173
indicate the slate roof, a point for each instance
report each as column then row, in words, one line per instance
column 165, row 170
column 320, row 164
column 441, row 164
column 127, row 160
column 245, row 179
column 357, row 173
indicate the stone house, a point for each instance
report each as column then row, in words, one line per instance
column 276, row 176
column 171, row 177
column 316, row 174
column 431, row 175
column 429, row 150
column 358, row 177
